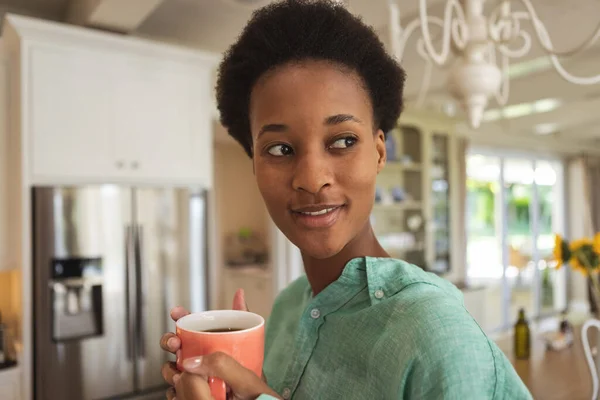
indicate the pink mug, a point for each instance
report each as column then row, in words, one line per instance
column 240, row 334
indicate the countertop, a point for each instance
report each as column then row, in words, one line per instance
column 553, row 375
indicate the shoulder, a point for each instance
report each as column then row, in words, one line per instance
column 453, row 357
column 433, row 316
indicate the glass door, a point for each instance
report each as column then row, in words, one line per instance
column 484, row 235
column 520, row 251
column 515, row 206
column 550, row 217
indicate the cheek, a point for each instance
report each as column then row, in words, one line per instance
column 359, row 174
column 271, row 184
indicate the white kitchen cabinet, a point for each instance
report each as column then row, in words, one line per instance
column 97, row 107
column 70, row 122
column 10, row 384
column 159, row 113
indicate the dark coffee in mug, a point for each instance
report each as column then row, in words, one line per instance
column 222, row 330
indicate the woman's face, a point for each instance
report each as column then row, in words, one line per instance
column 316, row 155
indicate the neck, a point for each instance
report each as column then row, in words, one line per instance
column 322, row 272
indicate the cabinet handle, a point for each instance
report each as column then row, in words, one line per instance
column 135, row 165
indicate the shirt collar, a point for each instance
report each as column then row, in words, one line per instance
column 383, row 276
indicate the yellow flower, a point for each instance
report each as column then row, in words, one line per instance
column 579, row 243
column 577, row 265
column 597, row 244
column 558, row 255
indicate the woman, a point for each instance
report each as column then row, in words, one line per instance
column 308, row 90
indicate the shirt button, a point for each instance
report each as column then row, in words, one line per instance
column 315, row 313
column 286, row 393
column 379, row 294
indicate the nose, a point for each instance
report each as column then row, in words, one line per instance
column 312, row 173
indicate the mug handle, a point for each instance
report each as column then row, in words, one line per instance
column 218, row 389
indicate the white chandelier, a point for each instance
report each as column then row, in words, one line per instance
column 478, row 74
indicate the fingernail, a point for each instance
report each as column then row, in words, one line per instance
column 176, row 378
column 171, row 342
column 192, row 363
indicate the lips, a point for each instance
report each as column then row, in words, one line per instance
column 317, row 216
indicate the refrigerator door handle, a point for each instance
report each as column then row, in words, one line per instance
column 130, row 313
column 139, row 292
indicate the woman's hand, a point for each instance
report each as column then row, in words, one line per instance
column 171, row 343
column 192, row 384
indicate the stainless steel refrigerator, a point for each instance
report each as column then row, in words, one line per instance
column 109, row 263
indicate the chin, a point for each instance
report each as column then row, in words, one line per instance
column 318, row 247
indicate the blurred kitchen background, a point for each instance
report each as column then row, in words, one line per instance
column 121, row 195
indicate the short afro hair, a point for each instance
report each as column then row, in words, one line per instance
column 299, row 30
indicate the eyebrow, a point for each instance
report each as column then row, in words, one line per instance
column 339, row 118
column 272, row 128
column 331, row 120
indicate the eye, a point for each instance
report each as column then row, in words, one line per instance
column 280, row 150
column 344, row 143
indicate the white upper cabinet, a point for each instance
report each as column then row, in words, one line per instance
column 97, row 107
column 158, row 114
column 69, row 115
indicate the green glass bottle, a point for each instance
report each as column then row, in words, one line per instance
column 522, row 338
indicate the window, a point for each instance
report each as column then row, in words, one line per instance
column 515, row 205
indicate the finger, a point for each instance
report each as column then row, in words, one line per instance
column 169, row 371
column 178, row 312
column 170, row 342
column 220, row 365
column 191, row 386
column 239, row 301
column 171, row 394
column 243, row 382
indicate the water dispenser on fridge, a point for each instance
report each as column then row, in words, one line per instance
column 76, row 287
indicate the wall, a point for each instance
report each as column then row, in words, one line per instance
column 238, row 204
column 238, row 200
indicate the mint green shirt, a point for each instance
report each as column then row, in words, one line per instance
column 385, row 329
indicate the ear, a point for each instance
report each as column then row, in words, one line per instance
column 380, row 148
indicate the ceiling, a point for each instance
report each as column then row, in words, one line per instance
column 573, row 115
column 48, row 9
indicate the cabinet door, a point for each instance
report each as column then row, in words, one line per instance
column 70, row 114
column 160, row 122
